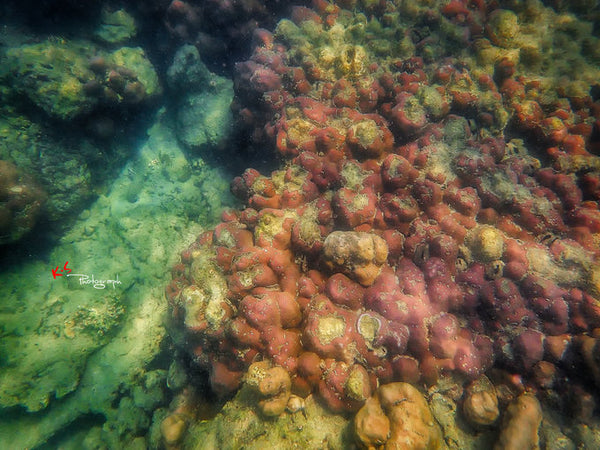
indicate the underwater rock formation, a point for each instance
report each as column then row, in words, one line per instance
column 240, row 425
column 201, row 100
column 116, row 26
column 69, row 108
column 21, row 203
column 68, row 79
column 71, row 350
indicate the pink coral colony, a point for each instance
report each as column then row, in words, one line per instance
column 406, row 236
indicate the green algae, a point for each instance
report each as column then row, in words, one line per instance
column 67, row 348
column 135, row 58
column 116, row 27
column 52, row 74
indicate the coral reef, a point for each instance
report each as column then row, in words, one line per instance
column 222, row 31
column 430, row 237
column 436, row 216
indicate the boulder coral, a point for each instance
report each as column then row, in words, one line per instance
column 174, row 426
column 272, row 385
column 358, row 255
column 397, row 417
column 480, row 403
column 521, row 424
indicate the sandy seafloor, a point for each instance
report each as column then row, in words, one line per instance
column 87, row 365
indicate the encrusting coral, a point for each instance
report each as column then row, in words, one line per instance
column 424, row 223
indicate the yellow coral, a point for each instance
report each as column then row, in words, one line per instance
column 503, row 27
column 329, row 328
column 486, row 243
column 351, row 61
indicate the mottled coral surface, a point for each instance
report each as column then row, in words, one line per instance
column 436, row 211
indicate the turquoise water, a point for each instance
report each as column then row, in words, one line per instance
column 122, row 126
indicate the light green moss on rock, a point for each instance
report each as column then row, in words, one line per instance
column 135, row 58
column 432, row 101
column 52, row 74
column 116, row 26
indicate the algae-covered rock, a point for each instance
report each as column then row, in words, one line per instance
column 188, row 72
column 20, row 203
column 135, row 59
column 503, row 27
column 61, row 334
column 204, row 119
column 51, row 74
column 63, row 165
column 115, row 27
column 240, row 425
column 67, row 79
column 202, row 102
